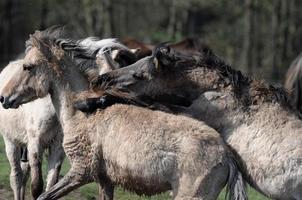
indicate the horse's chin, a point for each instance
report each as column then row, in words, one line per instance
column 15, row 106
column 15, row 103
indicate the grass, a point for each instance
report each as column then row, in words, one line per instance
column 87, row 192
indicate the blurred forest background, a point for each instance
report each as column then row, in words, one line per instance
column 261, row 38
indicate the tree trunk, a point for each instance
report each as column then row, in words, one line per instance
column 108, row 22
column 8, row 30
column 172, row 21
column 258, row 50
column 247, row 55
column 88, row 16
column 275, row 37
column 44, row 13
column 286, row 21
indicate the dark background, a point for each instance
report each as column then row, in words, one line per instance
column 258, row 37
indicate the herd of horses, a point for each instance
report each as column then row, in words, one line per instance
column 147, row 118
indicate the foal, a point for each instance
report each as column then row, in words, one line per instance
column 144, row 151
column 35, row 126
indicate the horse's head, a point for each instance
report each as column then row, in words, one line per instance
column 28, row 81
column 31, row 80
column 164, row 62
column 152, row 76
column 151, row 70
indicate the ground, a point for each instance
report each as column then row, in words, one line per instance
column 87, row 192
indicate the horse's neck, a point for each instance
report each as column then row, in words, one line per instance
column 62, row 101
column 215, row 108
column 63, row 92
column 193, row 82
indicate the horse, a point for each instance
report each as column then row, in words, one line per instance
column 33, row 126
column 255, row 119
column 36, row 125
column 145, row 151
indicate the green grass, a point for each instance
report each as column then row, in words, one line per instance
column 87, row 192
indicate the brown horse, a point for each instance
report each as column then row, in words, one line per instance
column 144, row 151
column 254, row 118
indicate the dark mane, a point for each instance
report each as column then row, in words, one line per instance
column 251, row 91
column 205, row 58
column 83, row 53
column 56, row 36
column 260, row 90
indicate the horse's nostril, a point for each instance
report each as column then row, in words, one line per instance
column 1, row 99
column 8, row 103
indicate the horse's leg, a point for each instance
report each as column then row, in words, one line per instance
column 200, row 180
column 205, row 185
column 13, row 154
column 55, row 160
column 35, row 161
column 25, row 172
column 106, row 191
column 297, row 194
column 75, row 178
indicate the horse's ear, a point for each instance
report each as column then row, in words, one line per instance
column 123, row 57
column 34, row 40
column 156, row 64
column 135, row 51
column 115, row 53
column 161, row 56
column 43, row 47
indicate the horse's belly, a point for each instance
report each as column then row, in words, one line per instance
column 280, row 187
column 148, row 175
column 142, row 185
column 146, row 181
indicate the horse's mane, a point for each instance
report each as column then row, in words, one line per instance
column 82, row 52
column 257, row 90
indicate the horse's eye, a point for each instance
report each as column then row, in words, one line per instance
column 27, row 67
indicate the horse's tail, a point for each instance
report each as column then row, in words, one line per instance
column 236, row 186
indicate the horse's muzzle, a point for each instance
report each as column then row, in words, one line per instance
column 7, row 102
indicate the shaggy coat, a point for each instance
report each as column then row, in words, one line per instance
column 255, row 118
column 35, row 126
column 142, row 150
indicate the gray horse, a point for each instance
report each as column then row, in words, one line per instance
column 144, row 151
column 254, row 118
